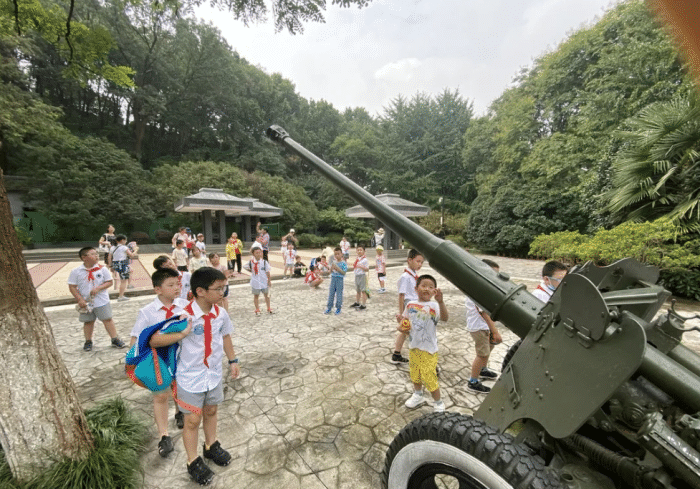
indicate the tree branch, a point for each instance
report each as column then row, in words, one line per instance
column 68, row 19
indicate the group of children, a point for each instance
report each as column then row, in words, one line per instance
column 199, row 297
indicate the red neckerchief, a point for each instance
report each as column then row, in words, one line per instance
column 411, row 273
column 255, row 266
column 207, row 328
column 354, row 265
column 179, row 278
column 91, row 277
column 168, row 311
column 548, row 292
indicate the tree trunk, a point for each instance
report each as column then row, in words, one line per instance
column 40, row 413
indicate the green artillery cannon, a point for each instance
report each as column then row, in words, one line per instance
column 599, row 394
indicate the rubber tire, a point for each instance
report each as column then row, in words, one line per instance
column 466, row 448
column 509, row 354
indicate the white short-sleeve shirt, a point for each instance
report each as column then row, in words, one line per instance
column 258, row 280
column 360, row 262
column 475, row 321
column 154, row 313
column 407, row 285
column 424, row 317
column 192, row 374
column 79, row 278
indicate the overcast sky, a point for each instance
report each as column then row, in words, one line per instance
column 367, row 57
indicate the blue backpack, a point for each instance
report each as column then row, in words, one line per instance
column 154, row 368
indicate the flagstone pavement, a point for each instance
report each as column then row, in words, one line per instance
column 317, row 402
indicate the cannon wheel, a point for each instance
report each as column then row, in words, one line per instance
column 465, row 449
column 509, row 354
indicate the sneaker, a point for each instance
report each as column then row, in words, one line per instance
column 270, row 311
column 87, row 346
column 361, row 307
column 122, row 299
column 337, row 311
column 217, row 454
column 487, row 374
column 117, row 343
column 439, row 407
column 381, row 291
column 180, row 420
column 478, row 388
column 129, row 286
column 257, row 312
column 415, row 400
column 355, row 304
column 199, row 471
column 327, row 311
column 165, row 446
column 396, row 358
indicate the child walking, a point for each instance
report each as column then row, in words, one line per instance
column 259, row 269
column 89, row 284
column 338, row 270
column 407, row 292
column 485, row 335
column 419, row 320
column 167, row 304
column 119, row 256
column 199, row 370
column 380, row 268
column 360, row 267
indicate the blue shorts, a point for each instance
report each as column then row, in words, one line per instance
column 122, row 268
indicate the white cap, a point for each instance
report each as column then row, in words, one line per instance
column 291, row 230
column 255, row 245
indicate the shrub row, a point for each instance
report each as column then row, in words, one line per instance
column 655, row 243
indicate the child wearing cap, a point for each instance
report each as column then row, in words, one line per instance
column 259, row 269
column 201, row 244
column 381, row 268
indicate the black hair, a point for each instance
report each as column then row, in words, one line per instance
column 426, row 277
column 204, row 277
column 178, row 242
column 553, row 266
column 84, row 251
column 338, row 248
column 414, row 253
column 160, row 261
column 212, row 255
column 312, row 267
column 120, row 237
column 490, row 263
column 161, row 274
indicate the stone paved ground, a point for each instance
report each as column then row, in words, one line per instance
column 317, row 403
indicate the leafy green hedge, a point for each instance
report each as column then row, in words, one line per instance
column 113, row 464
column 654, row 243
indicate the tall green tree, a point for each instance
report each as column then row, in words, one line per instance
column 657, row 172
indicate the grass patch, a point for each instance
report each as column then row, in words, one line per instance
column 114, row 463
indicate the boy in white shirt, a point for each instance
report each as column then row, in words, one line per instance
column 164, row 261
column 360, row 267
column 180, row 255
column 407, row 292
column 260, row 281
column 167, row 304
column 553, row 272
column 89, row 284
column 485, row 335
column 199, row 370
column 419, row 320
column 201, row 244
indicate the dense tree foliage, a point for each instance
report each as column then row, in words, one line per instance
column 570, row 146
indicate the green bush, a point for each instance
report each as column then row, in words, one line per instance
column 332, row 239
column 457, row 239
column 113, row 464
column 307, row 240
column 140, row 237
column 363, row 239
column 683, row 283
column 654, row 243
column 163, row 236
column 23, row 236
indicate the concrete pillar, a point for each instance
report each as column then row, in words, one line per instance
column 206, row 219
column 221, row 217
column 245, row 230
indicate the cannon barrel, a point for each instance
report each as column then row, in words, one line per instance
column 505, row 301
column 508, row 302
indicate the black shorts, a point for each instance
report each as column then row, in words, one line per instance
column 381, row 275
